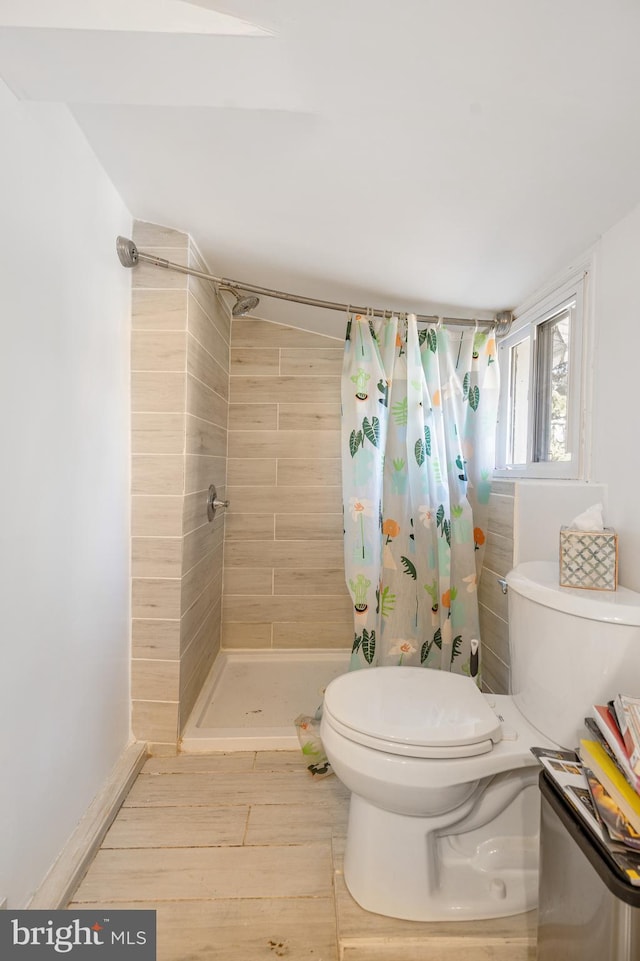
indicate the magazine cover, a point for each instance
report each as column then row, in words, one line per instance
column 567, row 771
column 611, row 777
column 604, row 727
column 613, row 819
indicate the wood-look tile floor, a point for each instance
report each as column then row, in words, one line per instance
column 240, row 855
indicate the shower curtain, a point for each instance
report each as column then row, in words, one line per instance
column 419, row 411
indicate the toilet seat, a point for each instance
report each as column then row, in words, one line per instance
column 412, row 711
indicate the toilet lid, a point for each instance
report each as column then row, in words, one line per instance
column 413, row 711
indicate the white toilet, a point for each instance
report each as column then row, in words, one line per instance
column 444, row 809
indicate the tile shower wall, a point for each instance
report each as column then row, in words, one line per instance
column 284, row 572
column 498, row 560
column 180, row 377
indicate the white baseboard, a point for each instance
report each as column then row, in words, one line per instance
column 71, row 865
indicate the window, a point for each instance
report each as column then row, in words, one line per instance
column 540, row 421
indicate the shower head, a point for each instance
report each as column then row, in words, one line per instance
column 244, row 304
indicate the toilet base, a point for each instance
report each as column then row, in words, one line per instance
column 432, row 869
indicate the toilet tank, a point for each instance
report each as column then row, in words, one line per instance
column 569, row 648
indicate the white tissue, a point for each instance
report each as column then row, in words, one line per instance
column 589, row 520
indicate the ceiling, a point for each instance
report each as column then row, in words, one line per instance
column 415, row 154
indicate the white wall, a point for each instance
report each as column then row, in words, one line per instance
column 64, row 486
column 541, row 508
column 616, row 388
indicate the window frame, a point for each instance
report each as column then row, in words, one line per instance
column 526, row 324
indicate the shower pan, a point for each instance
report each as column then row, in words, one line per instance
column 251, row 698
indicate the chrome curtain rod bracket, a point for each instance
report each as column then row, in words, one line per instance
column 130, row 256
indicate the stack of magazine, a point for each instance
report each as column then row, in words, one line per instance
column 602, row 780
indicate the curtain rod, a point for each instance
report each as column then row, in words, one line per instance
column 130, row 256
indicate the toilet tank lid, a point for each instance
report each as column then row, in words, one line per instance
column 539, row 581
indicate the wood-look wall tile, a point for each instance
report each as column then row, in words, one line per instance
column 154, row 680
column 195, row 616
column 247, row 360
column 207, row 333
column 298, row 634
column 205, row 294
column 158, row 309
column 309, row 417
column 204, row 645
column 157, row 474
column 158, row 350
column 494, row 632
column 248, row 580
column 197, row 660
column 245, row 636
column 156, row 516
column 253, row 417
column 201, row 543
column 254, row 527
column 155, row 597
column 251, row 472
column 202, row 365
column 284, row 390
column 501, row 515
column 247, row 332
column 206, row 404
column 284, row 443
column 146, row 234
column 147, row 275
column 305, row 608
column 506, row 487
column 195, row 511
column 199, row 577
column 157, row 433
column 308, row 582
column 321, row 361
column 155, row 720
column 298, row 472
column 317, row 555
column 156, row 556
column 205, row 438
column 494, row 671
column 193, row 684
column 155, row 638
column 154, row 391
column 490, row 594
column 498, row 554
column 283, row 500
column 202, row 470
column 291, row 527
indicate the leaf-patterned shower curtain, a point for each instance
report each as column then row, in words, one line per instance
column 419, row 414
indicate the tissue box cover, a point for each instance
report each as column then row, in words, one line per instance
column 589, row 559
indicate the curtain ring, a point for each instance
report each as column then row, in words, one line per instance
column 475, row 325
column 439, row 323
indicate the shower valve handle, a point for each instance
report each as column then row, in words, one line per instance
column 213, row 503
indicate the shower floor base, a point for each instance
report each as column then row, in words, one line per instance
column 251, row 698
